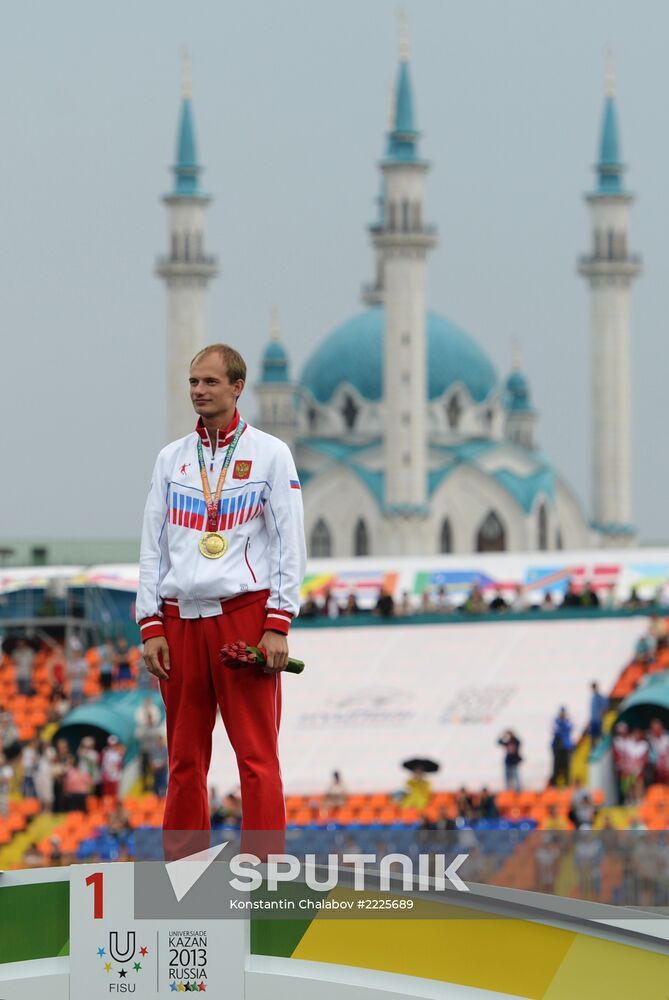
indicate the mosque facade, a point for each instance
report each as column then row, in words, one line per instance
column 405, row 438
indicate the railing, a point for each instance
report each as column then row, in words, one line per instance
column 368, row 618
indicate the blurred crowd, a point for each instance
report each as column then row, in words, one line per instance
column 479, row 601
column 54, row 677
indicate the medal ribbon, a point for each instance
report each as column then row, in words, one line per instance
column 212, row 501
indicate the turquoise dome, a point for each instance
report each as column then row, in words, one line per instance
column 517, row 393
column 353, row 353
column 274, row 363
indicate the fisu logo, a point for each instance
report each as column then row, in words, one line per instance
column 115, row 949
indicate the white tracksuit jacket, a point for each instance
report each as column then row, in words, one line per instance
column 260, row 513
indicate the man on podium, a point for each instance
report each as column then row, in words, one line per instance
column 222, row 558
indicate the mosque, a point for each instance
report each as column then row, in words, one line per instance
column 405, row 438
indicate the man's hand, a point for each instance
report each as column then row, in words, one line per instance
column 157, row 657
column 276, row 648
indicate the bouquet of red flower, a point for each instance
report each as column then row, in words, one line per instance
column 237, row 654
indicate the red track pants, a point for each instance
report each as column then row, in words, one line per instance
column 250, row 704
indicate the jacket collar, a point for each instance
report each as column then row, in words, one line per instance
column 225, row 434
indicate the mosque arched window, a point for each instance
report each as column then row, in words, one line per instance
column 446, row 537
column 417, row 220
column 491, row 536
column 349, row 412
column 175, row 247
column 454, row 412
column 405, row 215
column 321, row 540
column 542, row 528
column 187, row 246
column 361, row 539
column 610, row 244
column 392, row 216
column 199, row 247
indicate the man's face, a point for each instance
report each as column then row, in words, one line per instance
column 212, row 393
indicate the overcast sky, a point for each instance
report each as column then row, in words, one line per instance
column 290, row 101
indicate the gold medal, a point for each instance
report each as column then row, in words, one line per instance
column 212, row 545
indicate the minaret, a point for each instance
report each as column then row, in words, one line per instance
column 402, row 243
column 521, row 416
column 275, row 391
column 372, row 292
column 610, row 270
column 187, row 269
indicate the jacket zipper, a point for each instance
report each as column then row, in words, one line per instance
column 246, row 557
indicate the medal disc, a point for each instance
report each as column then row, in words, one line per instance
column 212, row 545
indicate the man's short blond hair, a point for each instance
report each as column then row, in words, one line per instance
column 232, row 359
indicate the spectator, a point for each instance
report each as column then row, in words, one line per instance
column 475, row 603
column 657, row 628
column 589, row 598
column 644, row 650
column 23, row 656
column 107, row 660
column 310, row 608
column 59, row 704
column 385, row 606
column 582, row 812
column 44, row 778
column 88, row 759
column 498, row 603
column 519, row 602
column 55, row 851
column 562, row 746
column 77, row 672
column 658, row 739
column 548, row 604
column 32, row 857
column 111, row 766
column 512, row 759
column 147, row 720
column 29, row 762
column 123, row 666
column 588, row 855
column 464, row 804
column 118, row 824
column 426, row 604
column 418, row 791
column 9, row 735
column 633, row 601
column 633, row 763
column 6, row 779
column 442, row 600
column 621, row 743
column 442, row 823
column 405, row 604
column 336, row 793
column 56, row 667
column 330, row 605
column 547, row 861
column 598, row 703
column 77, row 786
column 572, row 599
column 351, row 607
column 610, row 602
column 487, row 806
column 555, row 820
column 232, row 809
column 59, row 766
column 158, row 762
